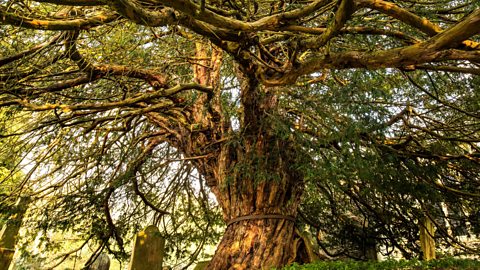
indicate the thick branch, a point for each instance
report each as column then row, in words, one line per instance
column 399, row 57
column 74, row 2
column 156, row 80
column 116, row 104
column 401, row 14
column 137, row 14
column 7, row 17
column 267, row 23
column 343, row 13
column 411, row 19
column 453, row 36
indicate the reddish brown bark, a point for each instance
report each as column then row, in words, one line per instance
column 253, row 175
column 257, row 176
column 261, row 181
column 255, row 244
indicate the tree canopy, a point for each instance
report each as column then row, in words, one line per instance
column 355, row 118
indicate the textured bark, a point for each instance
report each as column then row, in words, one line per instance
column 258, row 243
column 250, row 175
column 257, row 176
column 259, row 181
column 255, row 244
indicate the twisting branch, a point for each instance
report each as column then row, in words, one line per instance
column 140, row 15
column 416, row 21
column 345, row 10
column 135, row 167
column 7, row 17
column 74, row 2
column 402, row 57
column 137, row 100
column 111, row 225
column 191, row 9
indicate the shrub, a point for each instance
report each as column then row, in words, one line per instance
column 442, row 264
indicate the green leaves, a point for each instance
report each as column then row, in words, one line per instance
column 445, row 263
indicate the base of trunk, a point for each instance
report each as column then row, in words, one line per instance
column 255, row 244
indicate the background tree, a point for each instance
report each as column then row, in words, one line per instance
column 261, row 101
column 378, row 190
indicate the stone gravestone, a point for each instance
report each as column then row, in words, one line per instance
column 102, row 262
column 148, row 250
column 6, row 256
column 9, row 233
column 427, row 242
column 201, row 265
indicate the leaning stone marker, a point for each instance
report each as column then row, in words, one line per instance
column 148, row 250
column 9, row 233
column 102, row 262
column 427, row 242
column 6, row 256
column 201, row 265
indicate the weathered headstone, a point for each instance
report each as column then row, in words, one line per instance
column 9, row 233
column 102, row 262
column 6, row 256
column 148, row 250
column 427, row 242
column 201, row 265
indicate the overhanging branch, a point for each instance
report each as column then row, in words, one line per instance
column 7, row 17
column 74, row 2
column 140, row 15
column 412, row 19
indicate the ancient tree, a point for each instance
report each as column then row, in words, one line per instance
column 254, row 100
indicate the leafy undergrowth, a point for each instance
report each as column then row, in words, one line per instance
column 442, row 264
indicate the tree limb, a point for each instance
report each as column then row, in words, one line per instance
column 410, row 18
column 7, row 17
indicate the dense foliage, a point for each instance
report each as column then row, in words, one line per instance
column 446, row 263
column 379, row 186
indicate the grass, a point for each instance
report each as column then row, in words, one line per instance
column 441, row 264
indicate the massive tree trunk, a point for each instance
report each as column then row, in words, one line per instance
column 255, row 244
column 252, row 171
column 258, row 186
column 259, row 194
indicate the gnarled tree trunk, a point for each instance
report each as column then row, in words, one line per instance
column 255, row 244
column 259, row 195
column 253, row 176
column 258, row 186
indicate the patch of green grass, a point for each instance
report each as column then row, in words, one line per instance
column 442, row 264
